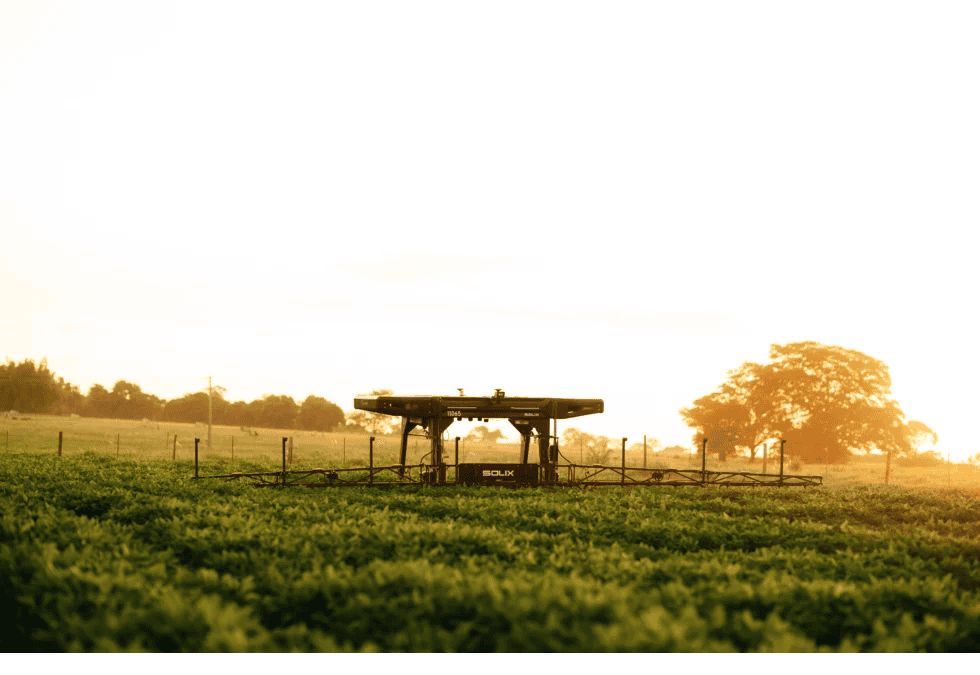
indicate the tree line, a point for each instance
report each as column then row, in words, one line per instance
column 29, row 388
column 826, row 402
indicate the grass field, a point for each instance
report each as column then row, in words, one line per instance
column 106, row 554
column 137, row 440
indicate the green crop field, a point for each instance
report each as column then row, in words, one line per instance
column 104, row 554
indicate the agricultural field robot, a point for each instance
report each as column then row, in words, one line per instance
column 535, row 419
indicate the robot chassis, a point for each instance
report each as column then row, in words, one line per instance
column 533, row 418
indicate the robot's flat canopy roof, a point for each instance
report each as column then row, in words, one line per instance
column 475, row 407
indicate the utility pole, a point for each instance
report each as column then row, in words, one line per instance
column 209, row 412
column 210, row 392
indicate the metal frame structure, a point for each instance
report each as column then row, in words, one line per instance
column 576, row 475
column 532, row 417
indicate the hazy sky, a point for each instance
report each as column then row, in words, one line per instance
column 614, row 200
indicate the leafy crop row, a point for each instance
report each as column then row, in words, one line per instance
column 100, row 556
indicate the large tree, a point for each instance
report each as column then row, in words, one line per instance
column 133, row 403
column 825, row 401
column 318, row 414
column 27, row 388
column 729, row 417
column 190, row 408
column 482, row 434
column 237, row 414
column 100, row 402
column 278, row 412
column 920, row 435
column 70, row 399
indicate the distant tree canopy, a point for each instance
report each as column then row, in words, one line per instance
column 825, row 401
column 125, row 401
column 25, row 387
column 277, row 412
column 482, row 434
column 369, row 422
column 33, row 389
column 274, row 412
column 920, row 435
column 727, row 417
column 592, row 449
column 653, row 445
column 193, row 407
column 319, row 414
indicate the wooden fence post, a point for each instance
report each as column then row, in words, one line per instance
column 290, row 450
column 765, row 457
column 196, row 441
column 59, row 444
column 371, row 461
column 284, row 439
column 622, row 477
column 704, row 459
column 782, row 445
column 175, row 447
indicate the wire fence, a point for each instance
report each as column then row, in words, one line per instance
column 128, row 439
column 235, row 448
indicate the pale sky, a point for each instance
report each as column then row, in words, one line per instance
column 583, row 199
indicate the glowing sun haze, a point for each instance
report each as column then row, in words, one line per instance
column 620, row 201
